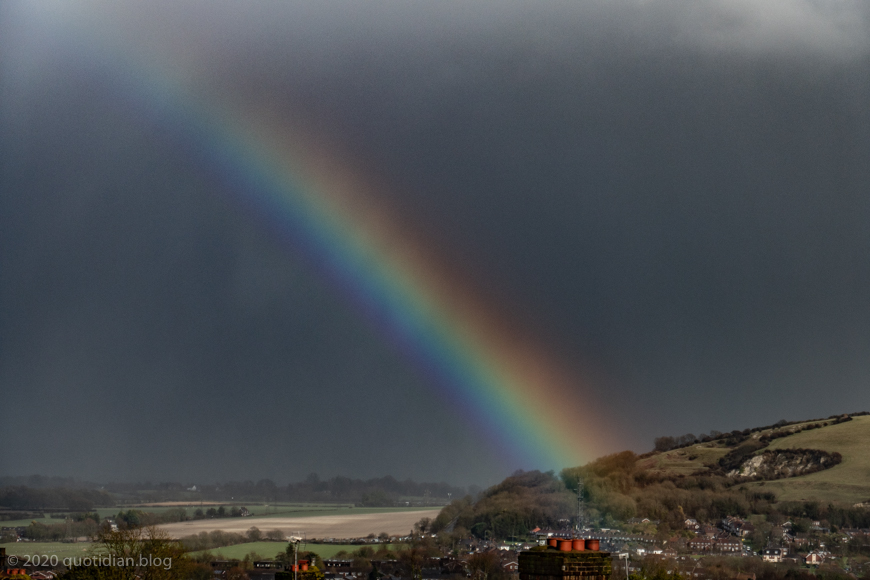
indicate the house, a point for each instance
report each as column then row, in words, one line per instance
column 708, row 530
column 853, row 533
column 705, row 545
column 783, row 532
column 700, row 544
column 449, row 565
column 728, row 545
column 692, row 524
column 801, row 540
column 738, row 527
column 337, row 565
column 511, row 567
column 772, row 555
column 543, row 535
column 814, row 558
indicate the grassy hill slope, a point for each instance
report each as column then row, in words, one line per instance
column 685, row 461
column 848, row 482
column 689, row 460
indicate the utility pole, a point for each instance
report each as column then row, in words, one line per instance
column 624, row 556
column 295, row 541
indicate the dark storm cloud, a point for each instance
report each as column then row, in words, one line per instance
column 674, row 193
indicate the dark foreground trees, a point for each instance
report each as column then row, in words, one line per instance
column 132, row 554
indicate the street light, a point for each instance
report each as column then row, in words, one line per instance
column 624, row 556
column 295, row 541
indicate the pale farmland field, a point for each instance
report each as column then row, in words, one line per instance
column 354, row 525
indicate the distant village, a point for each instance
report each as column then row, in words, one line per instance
column 700, row 551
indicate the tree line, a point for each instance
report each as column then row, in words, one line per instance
column 221, row 539
column 382, row 491
column 21, row 497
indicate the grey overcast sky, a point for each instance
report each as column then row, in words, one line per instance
column 674, row 193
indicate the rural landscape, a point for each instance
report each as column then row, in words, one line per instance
column 785, row 501
column 435, row 289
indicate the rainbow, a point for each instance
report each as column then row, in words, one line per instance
column 506, row 386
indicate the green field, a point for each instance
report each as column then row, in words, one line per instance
column 59, row 549
column 268, row 550
column 25, row 523
column 103, row 512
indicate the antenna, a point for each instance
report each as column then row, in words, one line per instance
column 295, row 541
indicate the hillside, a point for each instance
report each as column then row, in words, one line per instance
column 685, row 461
column 784, row 470
column 848, row 482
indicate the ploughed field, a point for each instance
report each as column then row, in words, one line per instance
column 394, row 523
